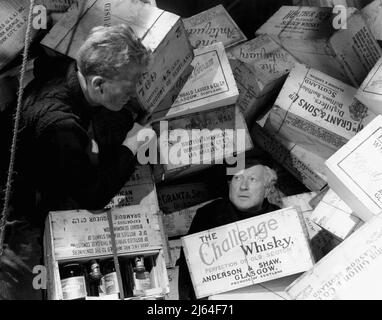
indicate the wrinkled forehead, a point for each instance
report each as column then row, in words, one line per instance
column 256, row 170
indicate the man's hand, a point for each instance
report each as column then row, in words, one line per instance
column 135, row 138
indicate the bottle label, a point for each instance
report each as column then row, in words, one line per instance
column 143, row 284
column 111, row 283
column 73, row 288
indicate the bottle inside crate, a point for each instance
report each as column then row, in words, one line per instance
column 98, row 278
column 73, row 281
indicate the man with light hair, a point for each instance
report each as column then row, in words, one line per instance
column 247, row 197
column 79, row 127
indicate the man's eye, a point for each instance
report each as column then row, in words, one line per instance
column 236, row 178
column 253, row 179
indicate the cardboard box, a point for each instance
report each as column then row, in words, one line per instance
column 57, row 5
column 333, row 215
column 13, row 25
column 140, row 189
column 247, row 252
column 370, row 91
column 64, row 5
column 211, row 26
column 260, row 67
column 210, row 85
column 349, row 272
column 161, row 32
column 317, row 112
column 312, row 35
column 176, row 197
column 321, row 241
column 372, row 14
column 330, row 3
column 318, row 197
column 80, row 235
column 268, row 56
column 190, row 154
column 179, row 222
column 270, row 290
column 354, row 172
column 304, row 165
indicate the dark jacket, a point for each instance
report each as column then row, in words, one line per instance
column 55, row 147
column 215, row 214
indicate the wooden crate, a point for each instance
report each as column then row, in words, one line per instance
column 310, row 35
column 370, row 91
column 260, row 67
column 175, row 197
column 321, row 241
column 304, row 165
column 333, row 215
column 160, row 31
column 270, row 290
column 178, row 223
column 331, row 3
column 215, row 122
column 372, row 14
column 248, row 252
column 80, row 235
column 354, row 171
column 13, row 17
column 211, row 26
column 317, row 112
column 211, row 85
column 138, row 190
column 351, row 271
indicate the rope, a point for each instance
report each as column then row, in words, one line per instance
column 5, row 212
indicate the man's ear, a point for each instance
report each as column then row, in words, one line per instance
column 97, row 83
column 82, row 80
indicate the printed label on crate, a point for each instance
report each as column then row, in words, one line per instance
column 177, row 197
column 211, row 26
column 202, row 138
column 317, row 111
column 13, row 18
column 210, row 85
column 264, row 53
column 298, row 22
column 357, row 166
column 138, row 190
column 312, row 36
column 247, row 252
column 81, row 233
column 350, row 271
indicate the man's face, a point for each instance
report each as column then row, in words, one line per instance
column 247, row 189
column 115, row 94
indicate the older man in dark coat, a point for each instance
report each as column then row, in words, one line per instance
column 248, row 190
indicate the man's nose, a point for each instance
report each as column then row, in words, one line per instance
column 244, row 184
